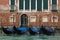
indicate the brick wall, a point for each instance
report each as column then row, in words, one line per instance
column 6, row 14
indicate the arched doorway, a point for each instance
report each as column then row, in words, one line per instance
column 24, row 20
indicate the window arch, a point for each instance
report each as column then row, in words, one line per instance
column 54, row 19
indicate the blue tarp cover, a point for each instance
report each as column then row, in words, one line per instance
column 23, row 29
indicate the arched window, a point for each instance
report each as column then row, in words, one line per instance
column 24, row 20
column 54, row 18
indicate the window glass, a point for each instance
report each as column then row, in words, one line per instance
column 26, row 4
column 45, row 4
column 54, row 1
column 12, row 5
column 12, row 2
column 39, row 5
column 54, row 4
column 33, row 3
column 21, row 4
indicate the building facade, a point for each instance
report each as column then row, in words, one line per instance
column 30, row 12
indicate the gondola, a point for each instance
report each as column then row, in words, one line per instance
column 8, row 30
column 33, row 30
column 46, row 30
column 20, row 30
column 50, row 30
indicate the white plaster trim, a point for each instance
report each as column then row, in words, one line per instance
column 36, row 5
column 42, row 5
column 30, row 6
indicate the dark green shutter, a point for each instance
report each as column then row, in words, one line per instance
column 54, row 2
column 26, row 4
column 12, row 2
column 33, row 3
column 12, row 5
column 45, row 4
column 21, row 4
column 39, row 5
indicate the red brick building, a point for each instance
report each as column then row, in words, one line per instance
column 30, row 12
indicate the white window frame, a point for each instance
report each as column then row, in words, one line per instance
column 18, row 6
column 29, row 7
column 45, row 10
column 57, row 3
column 53, row 19
column 10, row 2
column 30, row 10
column 35, row 10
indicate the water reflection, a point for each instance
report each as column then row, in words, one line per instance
column 28, row 37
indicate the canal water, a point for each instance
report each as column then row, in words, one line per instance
column 29, row 37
